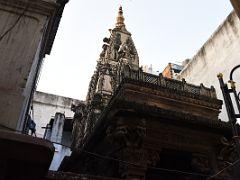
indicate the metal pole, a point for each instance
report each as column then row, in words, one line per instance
column 230, row 111
column 234, row 89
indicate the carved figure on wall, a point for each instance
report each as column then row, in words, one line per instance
column 228, row 153
column 115, row 45
column 99, row 84
column 200, row 163
column 227, row 156
column 107, row 82
column 127, row 50
column 104, row 47
column 78, row 124
column 129, row 135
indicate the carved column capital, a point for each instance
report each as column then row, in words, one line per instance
column 129, row 134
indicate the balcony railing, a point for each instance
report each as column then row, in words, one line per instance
column 139, row 75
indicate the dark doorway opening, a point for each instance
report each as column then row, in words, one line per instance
column 171, row 160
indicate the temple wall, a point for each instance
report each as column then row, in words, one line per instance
column 220, row 53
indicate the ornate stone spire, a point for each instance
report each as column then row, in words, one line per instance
column 120, row 18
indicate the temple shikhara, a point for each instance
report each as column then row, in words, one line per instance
column 135, row 125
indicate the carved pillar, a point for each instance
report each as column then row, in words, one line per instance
column 128, row 133
column 136, row 166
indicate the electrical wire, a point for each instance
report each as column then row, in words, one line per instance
column 162, row 169
column 219, row 172
column 15, row 23
column 150, row 167
column 133, row 164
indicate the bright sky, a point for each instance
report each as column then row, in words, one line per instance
column 162, row 30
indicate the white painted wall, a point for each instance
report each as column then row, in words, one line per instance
column 220, row 53
column 46, row 105
column 59, row 154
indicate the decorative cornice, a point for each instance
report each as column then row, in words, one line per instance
column 169, row 116
column 171, row 88
column 177, row 94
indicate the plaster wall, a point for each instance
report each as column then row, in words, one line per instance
column 220, row 53
column 46, row 105
column 21, row 32
column 60, row 153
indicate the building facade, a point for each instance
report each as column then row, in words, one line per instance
column 28, row 29
column 59, row 132
column 44, row 107
column 172, row 70
column 219, row 54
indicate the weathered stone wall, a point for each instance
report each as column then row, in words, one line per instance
column 46, row 105
column 220, row 53
column 25, row 29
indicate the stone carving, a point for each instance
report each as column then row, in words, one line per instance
column 127, row 50
column 93, row 83
column 126, row 134
column 105, row 82
column 228, row 152
column 114, row 45
column 78, row 124
column 152, row 157
column 129, row 135
column 172, row 84
column 200, row 163
column 117, row 41
column 227, row 155
column 104, row 47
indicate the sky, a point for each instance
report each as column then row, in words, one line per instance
column 163, row 31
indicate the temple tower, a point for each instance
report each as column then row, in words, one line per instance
column 118, row 50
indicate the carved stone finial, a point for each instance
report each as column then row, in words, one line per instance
column 120, row 18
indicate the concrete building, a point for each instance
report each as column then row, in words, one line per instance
column 59, row 131
column 45, row 106
column 150, row 69
column 27, row 29
column 53, row 117
column 172, row 70
column 220, row 53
